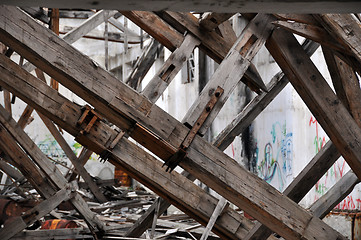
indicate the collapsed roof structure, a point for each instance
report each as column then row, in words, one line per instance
column 167, row 141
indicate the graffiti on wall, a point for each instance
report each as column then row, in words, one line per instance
column 276, row 163
column 51, row 149
column 334, row 174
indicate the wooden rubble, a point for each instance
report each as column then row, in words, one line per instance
column 136, row 116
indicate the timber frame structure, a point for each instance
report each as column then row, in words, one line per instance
column 173, row 143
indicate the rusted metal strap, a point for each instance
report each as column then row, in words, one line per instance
column 181, row 153
column 89, row 117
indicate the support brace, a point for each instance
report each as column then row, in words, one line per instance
column 181, row 153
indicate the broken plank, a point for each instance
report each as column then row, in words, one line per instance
column 51, row 171
column 66, row 233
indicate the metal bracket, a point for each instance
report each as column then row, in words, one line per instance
column 181, row 153
column 89, row 116
column 105, row 154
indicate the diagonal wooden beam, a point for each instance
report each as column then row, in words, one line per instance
column 204, row 161
column 140, row 164
column 346, row 83
column 170, row 69
column 143, row 64
column 232, row 68
column 325, row 106
column 315, row 33
column 346, row 28
column 82, row 30
column 211, row 20
column 256, row 106
column 334, row 195
column 74, row 160
column 212, row 43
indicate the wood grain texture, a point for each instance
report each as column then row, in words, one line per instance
column 204, row 161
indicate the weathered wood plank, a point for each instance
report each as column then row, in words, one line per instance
column 140, row 164
column 334, row 195
column 300, row 18
column 74, row 160
column 231, row 70
column 7, row 101
column 217, row 211
column 345, row 82
column 211, row 20
column 315, row 33
column 346, row 27
column 256, row 106
column 204, row 161
column 156, row 27
column 170, row 69
column 143, row 64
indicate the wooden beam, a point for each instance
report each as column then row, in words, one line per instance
column 143, row 64
column 204, row 161
column 217, row 211
column 170, row 69
column 212, row 43
column 121, row 27
column 156, row 27
column 300, row 18
column 7, row 101
column 88, row 25
column 245, row 6
column 334, row 195
column 345, row 82
column 137, row 162
column 315, row 33
column 81, row 30
column 346, row 27
column 257, row 105
column 211, row 20
column 325, row 106
column 74, row 160
column 231, row 70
